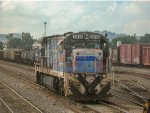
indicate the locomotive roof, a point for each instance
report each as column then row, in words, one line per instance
column 69, row 34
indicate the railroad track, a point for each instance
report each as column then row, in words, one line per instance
column 134, row 85
column 14, row 102
column 5, row 108
column 109, row 106
column 20, row 75
column 119, row 108
column 130, row 92
column 134, row 73
column 18, row 65
column 76, row 107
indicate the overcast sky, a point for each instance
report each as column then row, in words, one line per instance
column 29, row 16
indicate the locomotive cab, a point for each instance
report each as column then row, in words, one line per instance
column 87, row 53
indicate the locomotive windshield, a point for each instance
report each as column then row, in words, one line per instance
column 79, row 44
column 86, row 44
column 93, row 44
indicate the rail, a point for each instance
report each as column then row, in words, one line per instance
column 21, row 97
column 123, row 85
column 6, row 105
column 21, row 75
column 113, row 106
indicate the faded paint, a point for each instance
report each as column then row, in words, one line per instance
column 130, row 54
column 136, row 53
column 87, row 61
column 113, row 54
column 125, row 54
column 146, row 55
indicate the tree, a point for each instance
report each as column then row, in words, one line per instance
column 124, row 40
column 27, row 40
column 1, row 45
column 10, row 36
column 13, row 42
column 145, row 39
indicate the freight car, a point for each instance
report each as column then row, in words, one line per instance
column 21, row 56
column 75, row 65
column 12, row 55
column 29, row 56
column 131, row 54
column 113, row 57
column 1, row 54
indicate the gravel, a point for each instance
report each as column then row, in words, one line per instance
column 37, row 95
column 26, row 69
column 47, row 101
column 135, row 79
column 50, row 102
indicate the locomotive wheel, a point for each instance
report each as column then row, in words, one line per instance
column 61, row 87
column 56, row 84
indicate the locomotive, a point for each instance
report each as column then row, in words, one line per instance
column 75, row 65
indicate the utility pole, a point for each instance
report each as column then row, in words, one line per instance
column 45, row 27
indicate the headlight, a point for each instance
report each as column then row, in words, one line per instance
column 76, row 75
column 77, row 53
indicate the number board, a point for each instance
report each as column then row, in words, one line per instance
column 86, row 37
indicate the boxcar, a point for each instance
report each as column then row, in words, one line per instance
column 6, row 54
column 145, row 54
column 125, row 54
column 130, row 54
column 12, row 55
column 135, row 54
column 113, row 54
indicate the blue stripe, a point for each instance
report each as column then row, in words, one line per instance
column 85, row 58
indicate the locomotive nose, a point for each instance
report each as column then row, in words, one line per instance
column 87, row 61
column 91, row 90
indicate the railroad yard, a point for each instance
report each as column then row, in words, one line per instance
column 19, row 92
column 74, row 56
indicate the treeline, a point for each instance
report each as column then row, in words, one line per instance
column 25, row 42
column 131, row 39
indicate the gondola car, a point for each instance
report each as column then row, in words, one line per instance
column 75, row 65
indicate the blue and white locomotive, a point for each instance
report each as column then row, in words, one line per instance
column 75, row 65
